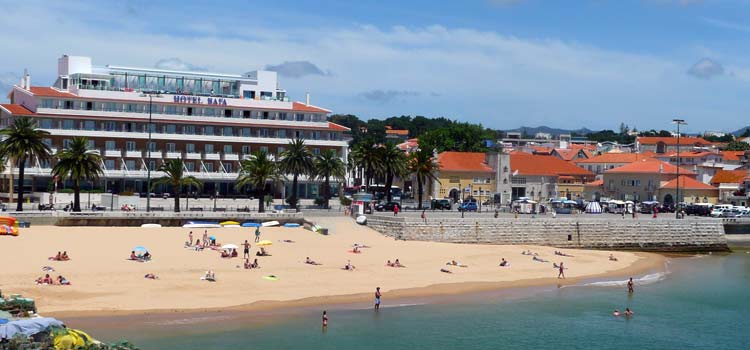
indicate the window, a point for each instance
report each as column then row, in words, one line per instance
column 282, row 116
column 264, row 149
column 130, row 164
column 68, row 124
column 228, row 131
column 190, row 148
column 228, row 167
column 171, row 147
column 89, row 105
column 45, row 123
column 47, row 103
column 209, row 167
column 208, row 130
column 188, row 129
column 66, row 143
column 47, row 142
column 131, row 107
column 263, row 133
column 245, row 149
column 227, row 149
column 208, row 148
column 190, row 166
column 316, row 135
column 227, row 113
column 265, row 114
column 110, row 126
column 246, row 114
column 170, row 109
column 152, row 165
column 316, row 151
column 281, row 134
column 518, row 180
column 481, row 180
column 68, row 104
column 110, row 145
column 246, row 132
column 131, row 127
column 170, row 129
column 109, row 164
column 189, row 111
column 280, row 150
column 130, row 145
column 152, row 146
column 299, row 117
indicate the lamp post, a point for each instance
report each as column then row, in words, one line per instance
column 678, row 122
column 480, row 199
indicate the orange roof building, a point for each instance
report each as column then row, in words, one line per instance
column 642, row 180
column 669, row 144
column 729, row 176
column 538, row 165
column 463, row 162
column 649, row 166
column 464, row 174
column 603, row 162
column 691, row 191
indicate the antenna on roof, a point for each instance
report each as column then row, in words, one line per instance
column 307, row 98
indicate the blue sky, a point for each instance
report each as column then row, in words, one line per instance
column 504, row 63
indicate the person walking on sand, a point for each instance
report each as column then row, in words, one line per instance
column 630, row 286
column 257, row 234
column 424, row 216
column 205, row 238
column 246, row 253
column 190, row 239
column 377, row 298
column 561, row 274
column 395, row 210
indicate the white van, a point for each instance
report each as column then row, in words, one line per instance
column 719, row 209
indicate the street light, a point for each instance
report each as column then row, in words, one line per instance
column 480, row 199
column 148, row 148
column 678, row 122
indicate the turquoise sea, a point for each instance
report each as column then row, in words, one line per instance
column 700, row 303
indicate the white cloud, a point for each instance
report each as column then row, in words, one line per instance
column 296, row 69
column 706, row 68
column 174, row 63
column 384, row 96
column 723, row 24
column 478, row 75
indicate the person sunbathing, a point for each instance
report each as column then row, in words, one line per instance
column 48, row 268
column 349, row 266
column 57, row 257
column 536, row 258
column 504, row 263
column 355, row 250
column 397, row 264
column 146, row 256
column 64, row 256
column 224, row 254
column 445, row 270
column 209, row 276
column 288, row 241
column 150, row 276
column 234, row 253
column 62, row 281
column 311, row 262
column 255, row 264
column 47, row 279
column 247, row 264
column 612, row 257
column 456, row 263
column 133, row 256
column 389, row 263
column 262, row 252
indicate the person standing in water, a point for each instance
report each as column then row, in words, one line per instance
column 630, row 286
column 561, row 274
column 325, row 319
column 377, row 298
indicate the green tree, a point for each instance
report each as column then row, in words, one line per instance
column 78, row 162
column 392, row 164
column 174, row 175
column 257, row 171
column 746, row 133
column 737, row 146
column 424, row 167
column 328, row 165
column 296, row 160
column 365, row 156
column 23, row 141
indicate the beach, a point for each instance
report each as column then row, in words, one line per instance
column 105, row 282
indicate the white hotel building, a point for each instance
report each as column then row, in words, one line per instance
column 212, row 121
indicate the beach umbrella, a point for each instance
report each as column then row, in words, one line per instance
column 140, row 248
column 593, row 208
column 264, row 242
column 229, row 246
column 213, row 238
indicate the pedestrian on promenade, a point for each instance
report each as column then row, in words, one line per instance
column 424, row 216
column 395, row 210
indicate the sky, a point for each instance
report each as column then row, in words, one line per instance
column 501, row 63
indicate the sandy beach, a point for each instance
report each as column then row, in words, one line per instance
column 105, row 282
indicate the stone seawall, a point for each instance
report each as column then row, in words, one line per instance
column 106, row 218
column 654, row 235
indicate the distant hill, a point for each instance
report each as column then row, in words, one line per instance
column 532, row 130
column 740, row 131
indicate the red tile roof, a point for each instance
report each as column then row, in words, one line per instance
column 687, row 182
column 49, row 92
column 595, row 183
column 569, row 154
column 648, row 166
column 532, row 164
column 617, row 158
column 541, row 150
column 397, row 132
column 688, row 154
column 16, row 109
column 463, row 161
column 728, row 176
column 732, row 155
column 687, row 140
column 297, row 106
column 337, row 127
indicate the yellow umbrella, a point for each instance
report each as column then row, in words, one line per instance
column 264, row 242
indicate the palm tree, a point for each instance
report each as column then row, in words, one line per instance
column 328, row 165
column 78, row 162
column 296, row 160
column 257, row 172
column 423, row 166
column 23, row 141
column 174, row 171
column 365, row 155
column 392, row 164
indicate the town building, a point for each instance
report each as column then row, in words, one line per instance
column 691, row 190
column 661, row 145
column 464, row 174
column 542, row 177
column 641, row 180
column 606, row 161
column 138, row 118
column 396, row 135
column 733, row 185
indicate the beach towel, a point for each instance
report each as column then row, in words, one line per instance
column 271, row 278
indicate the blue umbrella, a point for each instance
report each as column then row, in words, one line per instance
column 141, row 248
column 212, row 237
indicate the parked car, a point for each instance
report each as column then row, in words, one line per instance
column 386, row 206
column 698, row 209
column 440, row 204
column 719, row 210
column 468, row 206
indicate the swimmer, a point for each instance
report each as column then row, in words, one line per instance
column 616, row 313
column 628, row 312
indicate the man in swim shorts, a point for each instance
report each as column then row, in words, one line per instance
column 377, row 298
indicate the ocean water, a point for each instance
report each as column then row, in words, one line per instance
column 701, row 303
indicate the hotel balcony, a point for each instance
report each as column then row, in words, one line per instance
column 231, row 156
column 53, row 150
column 192, row 155
column 247, row 156
column 173, row 155
column 113, row 153
column 211, row 156
column 153, row 154
column 133, row 154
